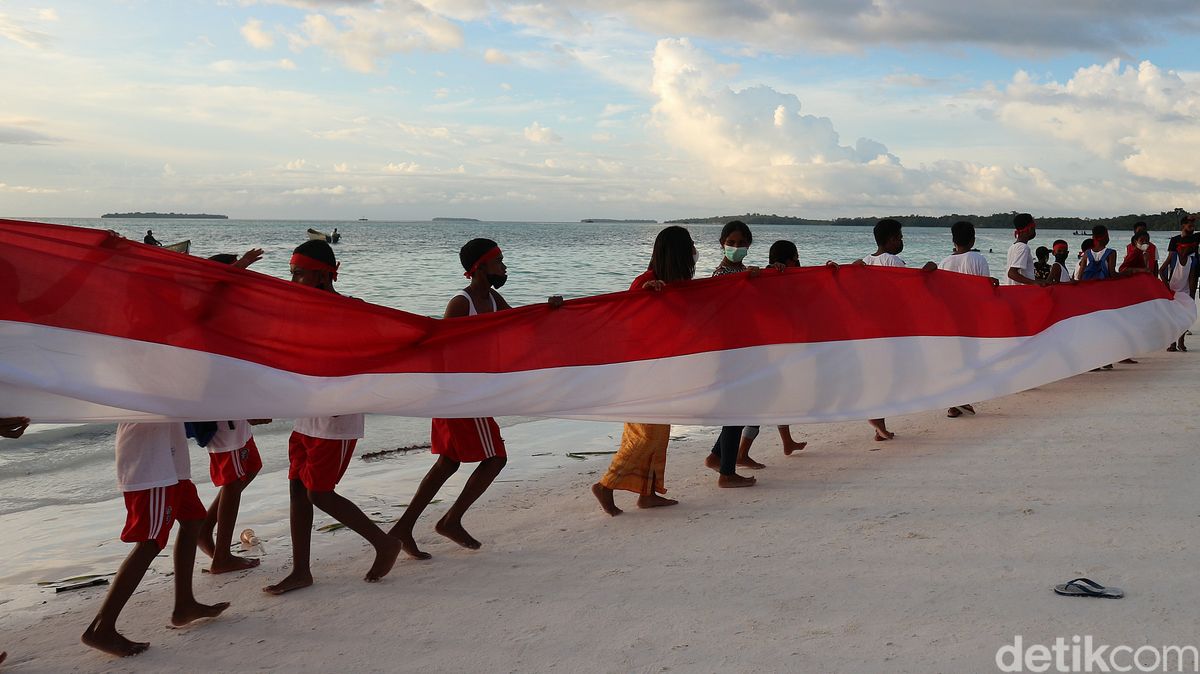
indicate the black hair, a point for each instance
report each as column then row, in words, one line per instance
column 1042, row 253
column 737, row 226
column 672, row 258
column 963, row 234
column 1058, row 241
column 782, row 251
column 472, row 250
column 1087, row 244
column 1187, row 217
column 1099, row 230
column 224, row 258
column 1139, row 235
column 317, row 250
column 1140, row 225
column 1022, row 220
column 886, row 229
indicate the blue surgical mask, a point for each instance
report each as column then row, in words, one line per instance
column 735, row 255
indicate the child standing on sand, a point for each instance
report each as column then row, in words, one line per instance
column 781, row 254
column 1059, row 271
column 1180, row 271
column 735, row 244
column 641, row 462
column 1019, row 269
column 889, row 242
column 154, row 472
column 458, row 441
column 319, row 451
column 964, row 260
column 234, row 461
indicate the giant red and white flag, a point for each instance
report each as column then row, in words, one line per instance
column 94, row 327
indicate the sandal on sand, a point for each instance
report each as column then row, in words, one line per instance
column 1085, row 587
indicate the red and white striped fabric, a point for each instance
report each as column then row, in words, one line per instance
column 94, row 327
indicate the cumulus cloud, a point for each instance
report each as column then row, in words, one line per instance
column 48, row 14
column 496, row 57
column 400, row 167
column 363, row 35
column 255, row 36
column 295, row 165
column 231, row 66
column 536, row 133
column 1141, row 117
column 26, row 37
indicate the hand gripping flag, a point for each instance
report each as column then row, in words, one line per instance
column 94, row 327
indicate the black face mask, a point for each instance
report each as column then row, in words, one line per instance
column 497, row 280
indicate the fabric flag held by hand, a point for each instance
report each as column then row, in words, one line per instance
column 94, row 327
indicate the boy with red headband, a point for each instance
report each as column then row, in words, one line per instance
column 154, row 471
column 1180, row 271
column 1019, row 270
column 319, row 451
column 1059, row 273
column 458, row 441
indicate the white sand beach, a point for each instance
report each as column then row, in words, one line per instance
column 926, row 555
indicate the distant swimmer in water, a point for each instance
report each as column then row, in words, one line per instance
column 149, row 238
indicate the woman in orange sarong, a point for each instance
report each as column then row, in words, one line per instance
column 639, row 464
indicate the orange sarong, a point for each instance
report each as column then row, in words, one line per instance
column 641, row 461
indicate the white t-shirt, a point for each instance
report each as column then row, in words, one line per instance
column 884, row 260
column 1178, row 282
column 151, row 455
column 228, row 439
column 1021, row 259
column 343, row 427
column 969, row 262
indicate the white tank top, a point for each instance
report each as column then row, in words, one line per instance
column 471, row 303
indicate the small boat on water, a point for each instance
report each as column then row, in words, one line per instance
column 316, row 235
column 181, row 247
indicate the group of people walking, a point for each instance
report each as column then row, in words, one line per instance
column 153, row 465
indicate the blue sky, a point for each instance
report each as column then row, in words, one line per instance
column 410, row 109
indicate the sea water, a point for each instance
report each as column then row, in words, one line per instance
column 414, row 267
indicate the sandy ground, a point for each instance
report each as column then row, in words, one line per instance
column 924, row 556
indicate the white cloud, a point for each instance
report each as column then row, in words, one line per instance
column 1143, row 118
column 506, row 86
column 17, row 32
column 230, row 66
column 364, row 35
column 614, row 109
column 48, row 14
column 19, row 131
column 537, row 133
column 341, row 167
column 255, row 36
column 495, row 56
column 400, row 167
column 25, row 189
column 168, row 171
column 295, row 165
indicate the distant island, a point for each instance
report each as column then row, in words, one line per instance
column 612, row 220
column 1164, row 221
column 167, row 216
column 455, row 220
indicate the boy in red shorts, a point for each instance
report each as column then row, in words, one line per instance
column 458, row 441
column 319, row 451
column 154, row 471
column 233, row 463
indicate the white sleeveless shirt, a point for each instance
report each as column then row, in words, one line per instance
column 471, row 303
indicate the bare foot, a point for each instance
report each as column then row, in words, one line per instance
column 112, row 642
column 953, row 413
column 605, row 496
column 883, row 436
column 655, row 501
column 790, row 447
column 385, row 559
column 969, row 409
column 189, row 613
column 294, row 581
column 747, row 462
column 735, row 480
column 232, row 563
column 712, row 461
column 1130, row 361
column 457, row 533
column 409, row 546
column 881, row 431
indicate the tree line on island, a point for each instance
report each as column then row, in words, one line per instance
column 1164, row 221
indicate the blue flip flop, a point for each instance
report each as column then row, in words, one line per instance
column 1085, row 587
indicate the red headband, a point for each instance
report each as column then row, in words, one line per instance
column 302, row 261
column 483, row 259
column 1026, row 228
column 1061, row 248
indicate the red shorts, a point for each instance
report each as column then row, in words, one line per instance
column 319, row 463
column 150, row 513
column 467, row 440
column 237, row 465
